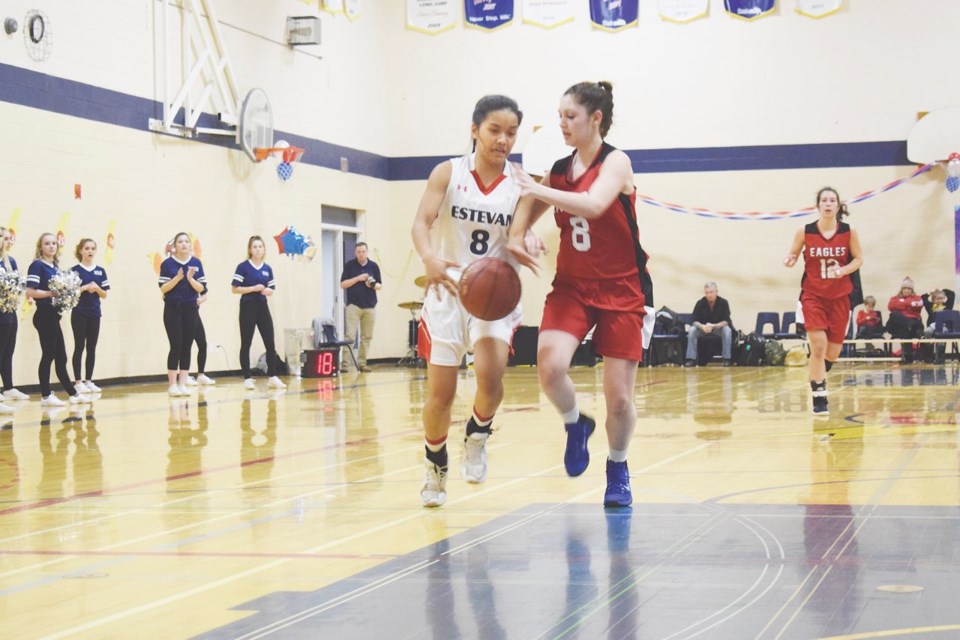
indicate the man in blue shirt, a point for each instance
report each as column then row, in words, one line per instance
column 361, row 279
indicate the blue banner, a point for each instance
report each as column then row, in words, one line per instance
column 488, row 14
column 614, row 15
column 749, row 9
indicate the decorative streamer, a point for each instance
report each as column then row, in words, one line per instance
column 749, row 9
column 431, row 16
column 614, row 15
column 818, row 8
column 776, row 215
column 682, row 11
column 488, row 15
column 547, row 13
column 352, row 8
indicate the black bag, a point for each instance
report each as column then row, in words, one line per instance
column 752, row 351
column 774, row 354
column 667, row 323
column 665, row 351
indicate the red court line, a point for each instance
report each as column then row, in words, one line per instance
column 314, row 556
column 193, row 474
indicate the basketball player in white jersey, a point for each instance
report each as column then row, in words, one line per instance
column 469, row 203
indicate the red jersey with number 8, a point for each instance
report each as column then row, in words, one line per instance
column 823, row 256
column 605, row 247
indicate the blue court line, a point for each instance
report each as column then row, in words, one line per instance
column 42, row 91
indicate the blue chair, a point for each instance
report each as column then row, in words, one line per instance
column 765, row 318
column 946, row 324
column 789, row 319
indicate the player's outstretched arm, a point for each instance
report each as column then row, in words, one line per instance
column 616, row 177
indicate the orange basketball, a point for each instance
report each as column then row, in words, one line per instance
column 489, row 288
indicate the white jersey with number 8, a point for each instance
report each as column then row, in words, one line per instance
column 474, row 219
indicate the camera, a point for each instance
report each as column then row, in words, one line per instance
column 371, row 281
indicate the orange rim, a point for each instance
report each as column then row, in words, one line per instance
column 290, row 154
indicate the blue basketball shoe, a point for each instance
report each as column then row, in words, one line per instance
column 576, row 458
column 618, row 492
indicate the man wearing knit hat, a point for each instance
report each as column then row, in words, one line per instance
column 905, row 322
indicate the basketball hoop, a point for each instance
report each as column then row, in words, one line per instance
column 288, row 156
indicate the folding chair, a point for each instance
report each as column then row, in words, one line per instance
column 946, row 325
column 325, row 333
column 765, row 318
column 789, row 319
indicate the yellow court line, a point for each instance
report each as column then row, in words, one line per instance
column 889, row 633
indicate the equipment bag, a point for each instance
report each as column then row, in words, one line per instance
column 752, row 351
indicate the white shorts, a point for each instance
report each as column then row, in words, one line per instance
column 448, row 332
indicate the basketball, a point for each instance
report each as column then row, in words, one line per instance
column 489, row 288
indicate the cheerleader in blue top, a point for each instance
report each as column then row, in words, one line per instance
column 253, row 281
column 181, row 281
column 85, row 318
column 46, row 319
column 8, row 330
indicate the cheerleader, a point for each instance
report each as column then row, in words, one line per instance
column 181, row 281
column 253, row 282
column 85, row 318
column 46, row 319
column 8, row 330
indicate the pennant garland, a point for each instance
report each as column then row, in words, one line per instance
column 614, row 15
column 818, row 8
column 431, row 16
column 776, row 215
column 749, row 9
column 681, row 11
column 488, row 15
column 547, row 13
column 352, row 9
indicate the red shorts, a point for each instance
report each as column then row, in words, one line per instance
column 831, row 315
column 575, row 307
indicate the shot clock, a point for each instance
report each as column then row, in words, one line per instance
column 321, row 363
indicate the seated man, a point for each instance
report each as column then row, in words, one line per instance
column 711, row 316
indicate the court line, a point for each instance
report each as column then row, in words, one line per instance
column 276, row 563
column 889, row 633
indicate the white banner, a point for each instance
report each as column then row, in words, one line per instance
column 818, row 8
column 683, row 10
column 332, row 6
column 352, row 8
column 431, row 16
column 547, row 13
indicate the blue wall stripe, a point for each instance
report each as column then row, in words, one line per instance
column 68, row 97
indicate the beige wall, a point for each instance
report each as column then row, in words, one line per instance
column 859, row 76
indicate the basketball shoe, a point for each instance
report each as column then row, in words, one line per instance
column 576, row 458
column 618, row 492
column 473, row 465
column 819, row 391
column 434, row 491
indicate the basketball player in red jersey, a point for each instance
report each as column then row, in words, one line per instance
column 831, row 253
column 464, row 215
column 601, row 279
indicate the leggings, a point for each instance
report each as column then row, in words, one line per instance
column 52, row 348
column 86, row 332
column 201, row 340
column 255, row 314
column 8, row 342
column 180, row 321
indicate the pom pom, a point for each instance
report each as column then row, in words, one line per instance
column 66, row 289
column 12, row 285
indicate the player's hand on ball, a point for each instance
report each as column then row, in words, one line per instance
column 437, row 276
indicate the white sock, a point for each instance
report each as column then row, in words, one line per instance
column 617, row 456
column 571, row 416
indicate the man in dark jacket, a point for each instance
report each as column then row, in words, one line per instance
column 711, row 316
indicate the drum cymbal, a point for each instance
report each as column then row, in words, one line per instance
column 412, row 305
column 420, row 281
